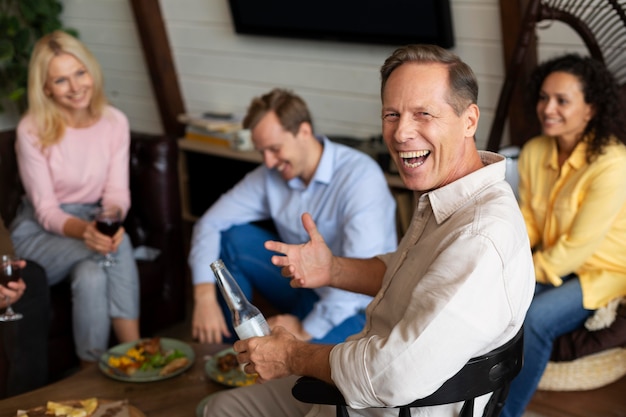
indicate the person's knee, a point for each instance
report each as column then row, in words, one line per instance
column 88, row 275
column 126, row 243
column 245, row 239
column 232, row 239
column 236, row 232
column 221, row 404
column 228, row 244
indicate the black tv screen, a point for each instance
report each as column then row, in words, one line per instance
column 395, row 22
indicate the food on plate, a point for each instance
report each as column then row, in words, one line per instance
column 227, row 362
column 225, row 369
column 174, row 366
column 150, row 346
column 146, row 355
column 113, row 409
column 73, row 408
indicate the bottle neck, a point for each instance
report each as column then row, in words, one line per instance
column 231, row 291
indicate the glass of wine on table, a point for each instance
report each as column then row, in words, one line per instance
column 108, row 222
column 11, row 271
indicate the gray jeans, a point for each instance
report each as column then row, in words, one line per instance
column 98, row 293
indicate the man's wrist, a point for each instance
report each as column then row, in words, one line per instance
column 204, row 291
column 309, row 359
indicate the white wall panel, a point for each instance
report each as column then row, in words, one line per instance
column 108, row 28
column 221, row 70
column 466, row 17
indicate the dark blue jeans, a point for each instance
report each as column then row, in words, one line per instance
column 553, row 312
column 249, row 262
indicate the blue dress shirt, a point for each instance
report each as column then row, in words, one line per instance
column 348, row 198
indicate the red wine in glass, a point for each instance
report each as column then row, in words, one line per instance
column 10, row 271
column 108, row 222
column 108, row 226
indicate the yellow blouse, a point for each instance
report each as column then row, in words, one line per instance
column 576, row 217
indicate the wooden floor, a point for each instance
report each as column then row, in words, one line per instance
column 608, row 401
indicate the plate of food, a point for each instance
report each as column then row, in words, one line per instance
column 89, row 407
column 147, row 360
column 224, row 369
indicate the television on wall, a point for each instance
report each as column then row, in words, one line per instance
column 393, row 22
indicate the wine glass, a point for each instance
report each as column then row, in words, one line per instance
column 11, row 271
column 108, row 222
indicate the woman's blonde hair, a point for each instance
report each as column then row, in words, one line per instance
column 43, row 109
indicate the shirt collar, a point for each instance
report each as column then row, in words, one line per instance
column 577, row 159
column 325, row 168
column 446, row 200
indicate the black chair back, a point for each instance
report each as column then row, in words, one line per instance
column 489, row 373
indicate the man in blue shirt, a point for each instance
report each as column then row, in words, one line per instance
column 344, row 190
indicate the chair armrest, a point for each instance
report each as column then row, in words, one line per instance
column 155, row 214
column 155, row 220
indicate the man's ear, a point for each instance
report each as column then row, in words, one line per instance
column 472, row 114
column 305, row 129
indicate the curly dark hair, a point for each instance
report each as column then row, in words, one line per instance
column 600, row 90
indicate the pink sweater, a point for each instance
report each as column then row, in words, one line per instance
column 87, row 165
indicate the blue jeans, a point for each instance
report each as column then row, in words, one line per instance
column 553, row 312
column 250, row 264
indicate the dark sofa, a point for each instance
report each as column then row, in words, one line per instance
column 154, row 220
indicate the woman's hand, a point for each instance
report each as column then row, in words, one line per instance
column 14, row 290
column 101, row 243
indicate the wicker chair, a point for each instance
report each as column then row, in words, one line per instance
column 601, row 24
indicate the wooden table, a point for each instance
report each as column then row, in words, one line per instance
column 174, row 397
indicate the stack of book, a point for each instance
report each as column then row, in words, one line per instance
column 214, row 128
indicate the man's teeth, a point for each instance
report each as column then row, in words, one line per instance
column 413, row 159
column 413, row 154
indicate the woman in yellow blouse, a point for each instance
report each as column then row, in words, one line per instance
column 572, row 191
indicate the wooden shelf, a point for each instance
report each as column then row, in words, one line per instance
column 393, row 180
column 216, row 150
column 403, row 196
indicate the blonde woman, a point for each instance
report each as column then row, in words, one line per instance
column 73, row 155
